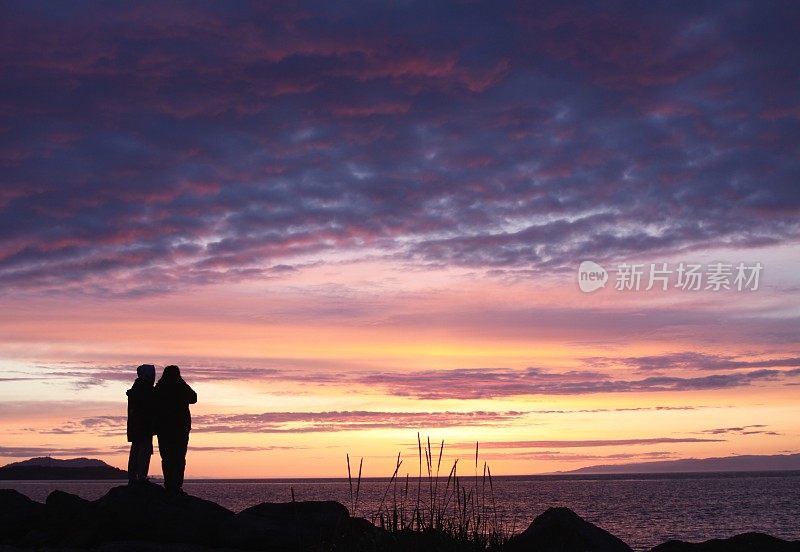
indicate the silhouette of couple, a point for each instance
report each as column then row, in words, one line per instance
column 162, row 410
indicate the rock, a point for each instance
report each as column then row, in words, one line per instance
column 360, row 535
column 746, row 542
column 140, row 546
column 427, row 540
column 149, row 513
column 562, row 530
column 67, row 521
column 18, row 515
column 291, row 526
column 68, row 504
column 148, row 519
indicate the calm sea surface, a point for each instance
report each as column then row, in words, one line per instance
column 641, row 510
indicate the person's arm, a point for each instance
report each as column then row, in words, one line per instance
column 191, row 396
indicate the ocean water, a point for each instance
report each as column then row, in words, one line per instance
column 641, row 510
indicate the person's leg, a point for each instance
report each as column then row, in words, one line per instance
column 132, row 462
column 181, row 446
column 172, row 460
column 145, row 452
column 166, row 459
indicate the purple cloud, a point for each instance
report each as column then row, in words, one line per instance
column 71, row 452
column 557, row 456
column 171, row 146
column 585, row 443
column 697, row 361
column 454, row 383
column 303, row 422
column 753, row 429
column 475, row 383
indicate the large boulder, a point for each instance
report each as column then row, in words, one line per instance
column 291, row 526
column 68, row 521
column 746, row 542
column 18, row 515
column 562, row 530
column 149, row 513
column 68, row 504
column 360, row 535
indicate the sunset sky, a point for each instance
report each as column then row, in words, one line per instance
column 351, row 222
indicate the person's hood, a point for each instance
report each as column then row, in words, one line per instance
column 146, row 372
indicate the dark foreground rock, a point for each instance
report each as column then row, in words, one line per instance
column 18, row 514
column 149, row 513
column 562, row 530
column 148, row 519
column 286, row 526
column 140, row 513
column 747, row 542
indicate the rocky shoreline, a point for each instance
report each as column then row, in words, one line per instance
column 146, row 518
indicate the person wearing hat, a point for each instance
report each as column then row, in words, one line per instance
column 141, row 423
column 173, row 424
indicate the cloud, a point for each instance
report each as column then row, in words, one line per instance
column 558, row 456
column 697, row 361
column 73, row 452
column 753, row 429
column 475, row 383
column 312, row 422
column 453, row 383
column 86, row 375
column 205, row 144
column 246, row 448
column 598, row 323
column 631, row 409
column 53, row 450
column 585, row 443
column 105, row 426
column 302, row 422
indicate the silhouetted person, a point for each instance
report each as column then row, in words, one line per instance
column 173, row 423
column 141, row 423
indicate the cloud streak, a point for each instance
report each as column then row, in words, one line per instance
column 697, row 361
column 55, row 450
column 753, row 429
column 302, row 422
column 474, row 383
column 586, row 443
column 456, row 383
column 73, row 452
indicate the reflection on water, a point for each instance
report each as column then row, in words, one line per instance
column 642, row 512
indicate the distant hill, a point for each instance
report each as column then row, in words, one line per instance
column 776, row 462
column 48, row 462
column 54, row 468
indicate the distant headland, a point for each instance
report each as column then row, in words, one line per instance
column 742, row 463
column 54, row 468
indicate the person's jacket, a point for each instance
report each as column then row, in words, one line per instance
column 172, row 406
column 141, row 410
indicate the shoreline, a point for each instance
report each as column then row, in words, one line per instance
column 646, row 476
